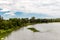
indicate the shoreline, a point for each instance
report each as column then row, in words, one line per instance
column 27, row 26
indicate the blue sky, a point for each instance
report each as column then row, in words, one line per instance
column 28, row 15
column 30, row 8
column 24, row 15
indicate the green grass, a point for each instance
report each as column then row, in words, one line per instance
column 4, row 33
column 33, row 29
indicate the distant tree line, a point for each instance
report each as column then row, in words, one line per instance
column 20, row 22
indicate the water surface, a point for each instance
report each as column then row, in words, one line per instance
column 48, row 31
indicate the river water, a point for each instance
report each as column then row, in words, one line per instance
column 48, row 31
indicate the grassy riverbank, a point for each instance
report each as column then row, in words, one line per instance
column 13, row 24
column 4, row 33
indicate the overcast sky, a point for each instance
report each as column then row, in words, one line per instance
column 29, row 8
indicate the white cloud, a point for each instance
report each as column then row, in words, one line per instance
column 4, row 10
column 7, row 5
column 11, row 13
column 6, row 2
column 49, row 7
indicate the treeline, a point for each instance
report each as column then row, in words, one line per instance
column 18, row 23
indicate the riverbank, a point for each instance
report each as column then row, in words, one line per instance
column 50, row 31
column 5, row 33
column 13, row 24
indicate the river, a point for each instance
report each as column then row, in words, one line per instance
column 48, row 31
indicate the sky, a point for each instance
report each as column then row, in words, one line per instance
column 30, row 8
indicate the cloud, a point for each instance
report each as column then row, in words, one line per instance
column 48, row 7
column 10, row 13
column 4, row 10
column 6, row 1
column 7, row 7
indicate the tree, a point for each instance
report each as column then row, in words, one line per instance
column 44, row 21
column 32, row 20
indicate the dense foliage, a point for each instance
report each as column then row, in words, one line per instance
column 18, row 23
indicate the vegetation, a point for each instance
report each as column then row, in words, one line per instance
column 7, row 26
column 33, row 29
